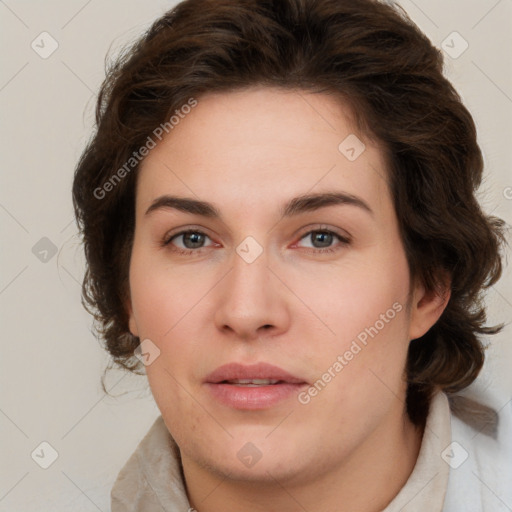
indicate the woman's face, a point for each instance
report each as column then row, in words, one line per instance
column 271, row 271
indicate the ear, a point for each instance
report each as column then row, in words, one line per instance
column 132, row 325
column 428, row 306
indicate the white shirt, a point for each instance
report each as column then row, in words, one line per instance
column 459, row 469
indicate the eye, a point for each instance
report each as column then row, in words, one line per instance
column 186, row 242
column 192, row 241
column 322, row 240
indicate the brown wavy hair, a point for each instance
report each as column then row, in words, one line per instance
column 374, row 58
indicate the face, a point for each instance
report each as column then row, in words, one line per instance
column 296, row 263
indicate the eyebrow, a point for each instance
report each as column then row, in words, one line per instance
column 296, row 206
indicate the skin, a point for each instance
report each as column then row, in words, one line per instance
column 352, row 447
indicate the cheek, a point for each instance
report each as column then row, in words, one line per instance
column 359, row 377
column 171, row 393
column 162, row 297
column 364, row 309
column 164, row 303
column 346, row 299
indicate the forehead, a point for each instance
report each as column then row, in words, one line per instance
column 259, row 147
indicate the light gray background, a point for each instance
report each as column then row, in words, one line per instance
column 51, row 364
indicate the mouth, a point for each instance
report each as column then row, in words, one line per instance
column 251, row 383
column 252, row 387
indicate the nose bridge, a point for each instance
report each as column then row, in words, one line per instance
column 250, row 298
column 248, row 281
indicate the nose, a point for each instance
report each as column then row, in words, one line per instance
column 252, row 301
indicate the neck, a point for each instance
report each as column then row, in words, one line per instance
column 367, row 481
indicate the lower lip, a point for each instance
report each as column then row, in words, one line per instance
column 257, row 397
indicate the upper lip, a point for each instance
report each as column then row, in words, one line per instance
column 233, row 371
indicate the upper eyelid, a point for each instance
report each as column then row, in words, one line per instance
column 338, row 232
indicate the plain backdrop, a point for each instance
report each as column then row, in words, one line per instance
column 51, row 363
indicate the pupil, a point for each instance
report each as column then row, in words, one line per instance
column 194, row 238
column 325, row 238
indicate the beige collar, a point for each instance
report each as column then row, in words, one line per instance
column 426, row 487
column 152, row 478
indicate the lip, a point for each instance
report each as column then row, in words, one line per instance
column 233, row 371
column 252, row 398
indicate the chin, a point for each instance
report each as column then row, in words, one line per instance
column 264, row 471
column 255, row 458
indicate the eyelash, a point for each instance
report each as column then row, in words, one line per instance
column 344, row 241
